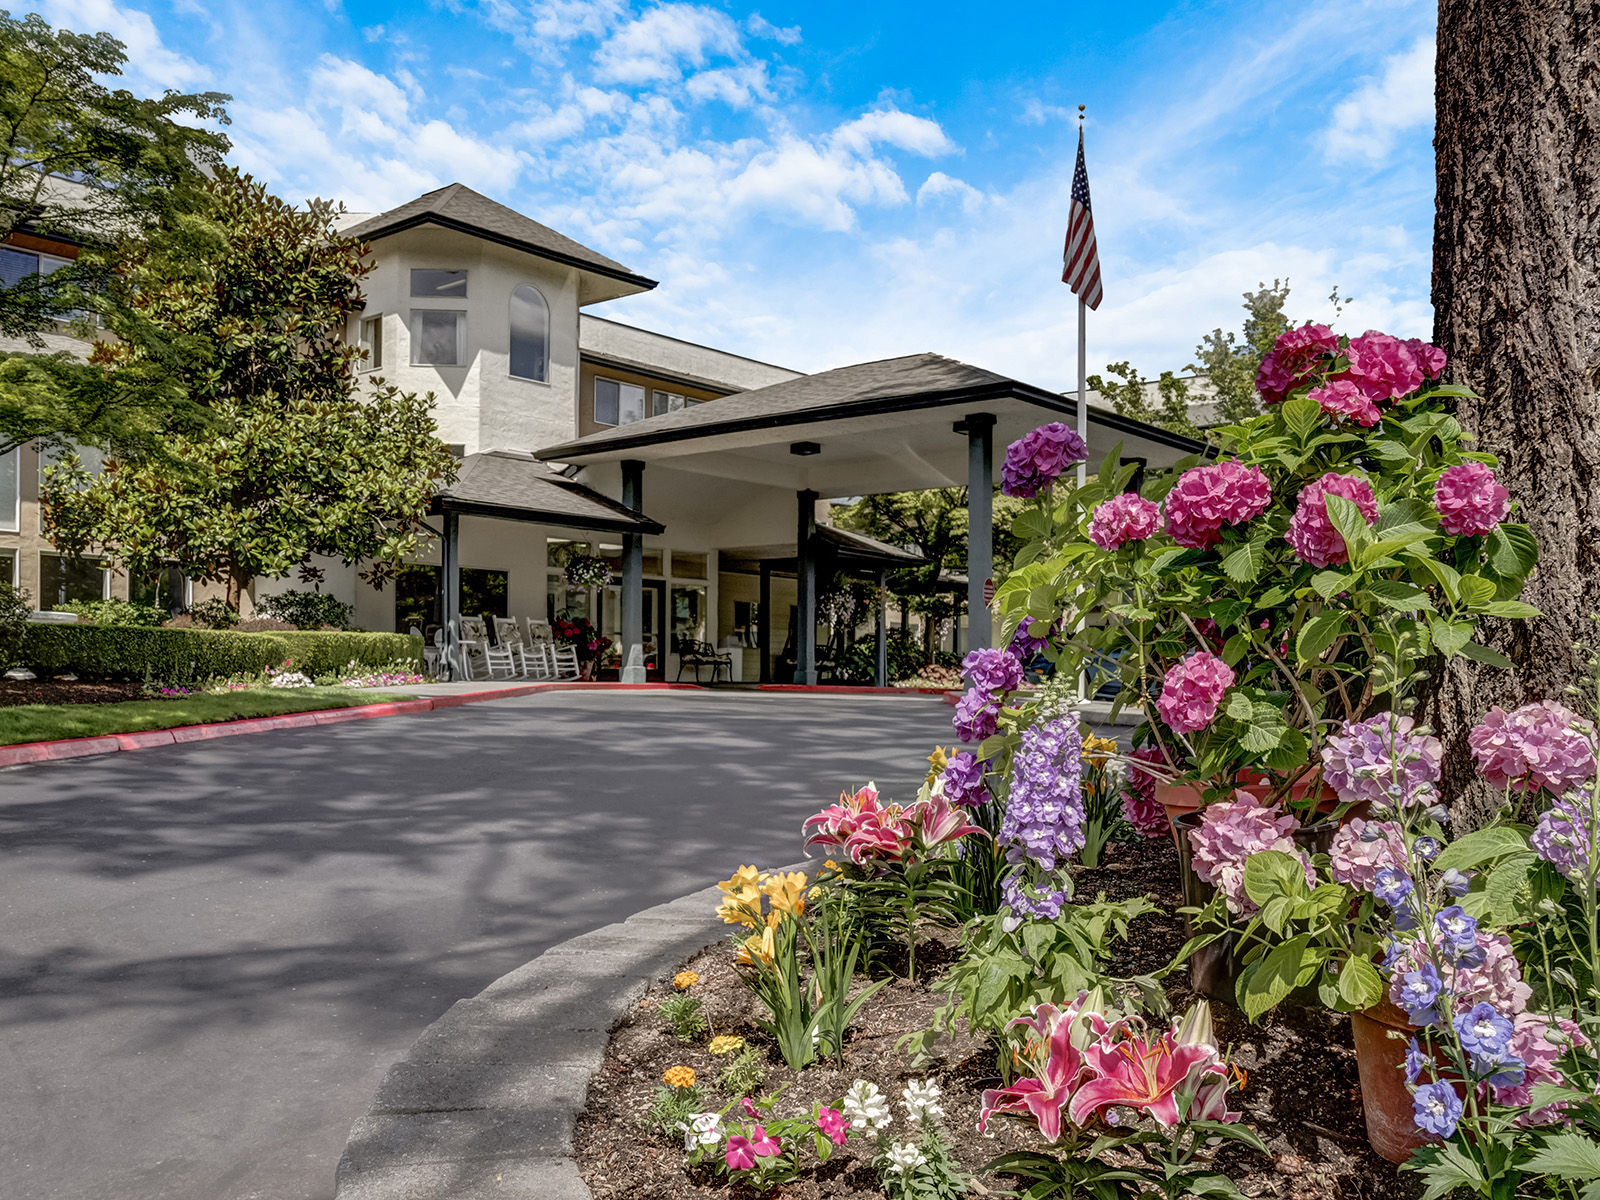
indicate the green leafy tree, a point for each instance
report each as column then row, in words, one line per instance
column 1129, row 394
column 1230, row 360
column 295, row 462
column 102, row 168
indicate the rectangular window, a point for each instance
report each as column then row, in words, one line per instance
column 665, row 402
column 372, row 343
column 165, row 589
column 429, row 284
column 417, row 600
column 63, row 580
column 11, row 491
column 438, row 337
column 617, row 403
column 16, row 265
column 8, row 567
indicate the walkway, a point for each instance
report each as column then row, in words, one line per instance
column 212, row 952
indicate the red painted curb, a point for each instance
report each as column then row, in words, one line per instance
column 841, row 689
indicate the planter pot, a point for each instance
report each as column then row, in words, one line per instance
column 1381, row 1033
column 1180, row 798
column 1214, row 969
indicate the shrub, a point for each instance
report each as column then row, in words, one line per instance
column 215, row 613
column 329, row 653
column 115, row 612
column 683, row 1014
column 306, row 610
column 14, row 609
column 132, row 652
column 906, row 658
column 263, row 625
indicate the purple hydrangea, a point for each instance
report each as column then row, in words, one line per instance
column 1363, row 848
column 1382, row 760
column 1035, row 460
column 1228, row 835
column 963, row 779
column 977, row 716
column 1565, row 835
column 1025, row 645
column 1540, row 745
column 1044, row 816
column 993, row 671
column 1436, row 1108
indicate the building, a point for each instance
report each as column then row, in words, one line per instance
column 702, row 476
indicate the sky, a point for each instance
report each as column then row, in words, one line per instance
column 816, row 184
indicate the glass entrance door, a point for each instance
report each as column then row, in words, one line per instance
column 655, row 604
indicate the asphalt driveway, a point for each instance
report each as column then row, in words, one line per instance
column 210, row 953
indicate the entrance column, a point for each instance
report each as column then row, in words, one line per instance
column 633, row 577
column 764, row 624
column 805, row 633
column 979, row 428
column 880, row 666
column 450, row 583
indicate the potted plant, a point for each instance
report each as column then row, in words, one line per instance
column 580, row 634
column 585, row 571
column 1252, row 601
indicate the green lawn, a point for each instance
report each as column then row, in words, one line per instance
column 49, row 722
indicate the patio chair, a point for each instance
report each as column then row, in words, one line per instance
column 556, row 662
column 700, row 655
column 508, row 635
column 472, row 647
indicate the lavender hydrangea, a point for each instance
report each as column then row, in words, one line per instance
column 1034, row 461
column 1382, row 760
column 977, row 716
column 963, row 779
column 1361, row 849
column 993, row 671
column 1230, row 833
column 1540, row 745
column 1566, row 833
column 1044, row 817
column 1025, row 645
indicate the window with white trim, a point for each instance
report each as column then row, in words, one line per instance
column 438, row 337
column 63, row 579
column 617, row 403
column 530, row 334
column 372, row 343
column 11, row 491
column 665, row 402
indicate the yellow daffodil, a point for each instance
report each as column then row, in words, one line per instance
column 685, row 979
column 787, row 893
column 678, row 1077
column 726, row 1043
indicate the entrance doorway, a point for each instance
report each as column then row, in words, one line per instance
column 655, row 609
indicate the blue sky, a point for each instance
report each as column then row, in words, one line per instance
column 816, row 184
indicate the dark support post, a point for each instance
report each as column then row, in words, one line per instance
column 955, row 628
column 633, row 577
column 764, row 623
column 805, row 638
column 979, row 428
column 880, row 667
column 450, row 582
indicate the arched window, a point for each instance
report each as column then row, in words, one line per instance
column 530, row 334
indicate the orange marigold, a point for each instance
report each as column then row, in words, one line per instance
column 678, row 1077
column 685, row 979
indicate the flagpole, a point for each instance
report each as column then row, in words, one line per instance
column 1083, row 384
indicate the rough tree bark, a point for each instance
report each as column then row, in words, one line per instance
column 1516, row 295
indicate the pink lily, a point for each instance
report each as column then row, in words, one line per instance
column 1056, row 1053
column 764, row 1145
column 881, row 834
column 740, row 1154
column 839, row 821
column 939, row 822
column 1134, row 1071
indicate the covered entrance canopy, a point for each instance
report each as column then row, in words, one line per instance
column 900, row 424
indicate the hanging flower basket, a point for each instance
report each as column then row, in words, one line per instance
column 587, row 571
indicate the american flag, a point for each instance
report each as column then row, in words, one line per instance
column 1080, row 259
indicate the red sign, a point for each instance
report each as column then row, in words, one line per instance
column 988, row 592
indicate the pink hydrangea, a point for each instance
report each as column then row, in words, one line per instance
column 1192, row 690
column 1036, row 459
column 1207, row 498
column 1540, row 1043
column 1383, row 366
column 1344, row 398
column 1140, row 808
column 1382, row 760
column 1429, row 357
column 1128, row 517
column 1311, row 531
column 1470, row 500
column 1540, row 745
column 1497, row 980
column 1363, row 848
column 1297, row 355
column 1231, row 832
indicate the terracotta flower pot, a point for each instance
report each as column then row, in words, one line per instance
column 1179, row 798
column 1381, row 1033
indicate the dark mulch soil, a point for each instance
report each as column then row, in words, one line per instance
column 1300, row 1091
column 46, row 691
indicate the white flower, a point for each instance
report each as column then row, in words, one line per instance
column 289, row 679
column 866, row 1106
column 921, row 1099
column 903, row 1156
column 703, row 1129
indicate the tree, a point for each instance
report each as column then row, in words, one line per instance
column 1516, row 272
column 1231, row 362
column 1130, row 396
column 101, row 168
column 295, row 463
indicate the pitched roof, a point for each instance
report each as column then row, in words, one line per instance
column 509, row 484
column 458, row 207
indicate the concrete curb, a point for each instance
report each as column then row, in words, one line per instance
column 484, row 1103
column 34, row 752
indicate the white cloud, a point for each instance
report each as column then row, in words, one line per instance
column 763, row 28
column 655, row 47
column 1367, row 123
column 941, row 188
column 149, row 59
column 891, row 127
column 737, row 87
column 543, row 26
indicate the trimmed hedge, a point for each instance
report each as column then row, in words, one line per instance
column 132, row 652
column 328, row 653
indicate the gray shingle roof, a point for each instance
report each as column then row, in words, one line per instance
column 457, row 206
column 505, row 483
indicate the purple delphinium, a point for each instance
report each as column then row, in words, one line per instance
column 1044, row 904
column 993, row 671
column 977, row 716
column 1459, row 930
column 1436, row 1108
column 1564, row 837
column 1036, row 459
column 1044, row 815
column 1483, row 1031
column 1419, row 993
column 1392, row 886
column 1414, row 1062
column 963, row 779
column 1382, row 760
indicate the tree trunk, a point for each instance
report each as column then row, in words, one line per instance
column 238, row 581
column 1516, row 296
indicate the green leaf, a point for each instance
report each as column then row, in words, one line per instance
column 1449, row 636
column 1317, row 634
column 1394, row 594
column 1329, row 584
column 1244, row 564
column 1567, row 1155
column 1240, row 706
column 1352, row 526
column 1447, row 576
column 1360, row 985
column 1512, row 550
column 1476, row 591
column 1473, row 850
column 1271, row 874
column 1265, row 731
column 1492, row 658
column 1301, row 415
column 1407, row 511
column 1514, row 610
column 1276, row 975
